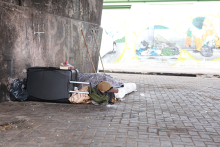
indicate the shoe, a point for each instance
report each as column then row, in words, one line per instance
column 196, row 51
column 95, row 103
column 110, row 103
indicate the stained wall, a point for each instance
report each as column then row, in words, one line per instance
column 47, row 33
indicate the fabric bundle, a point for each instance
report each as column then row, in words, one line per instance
column 96, row 78
column 81, row 98
column 128, row 88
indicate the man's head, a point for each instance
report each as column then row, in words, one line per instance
column 104, row 86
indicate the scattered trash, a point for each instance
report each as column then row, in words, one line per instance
column 111, row 106
column 13, row 125
column 142, row 94
column 66, row 66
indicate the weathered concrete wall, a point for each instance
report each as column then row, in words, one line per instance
column 16, row 2
column 84, row 10
column 21, row 47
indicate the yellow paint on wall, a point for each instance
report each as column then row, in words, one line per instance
column 182, row 59
column 135, row 34
column 126, row 44
column 123, row 52
column 218, row 59
column 184, row 54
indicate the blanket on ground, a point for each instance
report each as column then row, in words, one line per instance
column 96, row 78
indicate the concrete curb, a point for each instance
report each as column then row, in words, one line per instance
column 203, row 75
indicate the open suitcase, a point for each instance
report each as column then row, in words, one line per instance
column 52, row 84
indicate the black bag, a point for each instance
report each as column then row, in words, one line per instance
column 51, row 84
column 18, row 90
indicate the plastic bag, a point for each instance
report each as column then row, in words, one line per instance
column 80, row 97
column 18, row 90
column 128, row 88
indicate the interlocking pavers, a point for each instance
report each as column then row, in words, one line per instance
column 164, row 111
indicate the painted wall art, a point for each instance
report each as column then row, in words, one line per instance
column 149, row 37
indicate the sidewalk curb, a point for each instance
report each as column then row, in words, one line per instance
column 204, row 75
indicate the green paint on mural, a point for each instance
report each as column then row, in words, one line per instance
column 122, row 40
column 166, row 52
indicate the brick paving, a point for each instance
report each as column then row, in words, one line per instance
column 165, row 111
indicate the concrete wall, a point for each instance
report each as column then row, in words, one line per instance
column 61, row 23
column 84, row 10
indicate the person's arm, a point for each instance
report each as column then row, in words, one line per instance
column 113, row 90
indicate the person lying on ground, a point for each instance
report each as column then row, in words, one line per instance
column 103, row 93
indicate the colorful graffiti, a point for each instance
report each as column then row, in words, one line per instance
column 113, row 39
column 189, row 40
column 206, row 38
column 200, row 38
column 155, row 45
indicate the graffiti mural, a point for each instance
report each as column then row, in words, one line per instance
column 204, row 32
column 113, row 39
column 190, row 39
column 155, row 45
column 201, row 39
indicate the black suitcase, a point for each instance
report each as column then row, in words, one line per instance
column 52, row 84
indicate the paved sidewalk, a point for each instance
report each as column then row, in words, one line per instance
column 166, row 111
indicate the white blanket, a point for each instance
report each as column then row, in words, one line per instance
column 128, row 88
